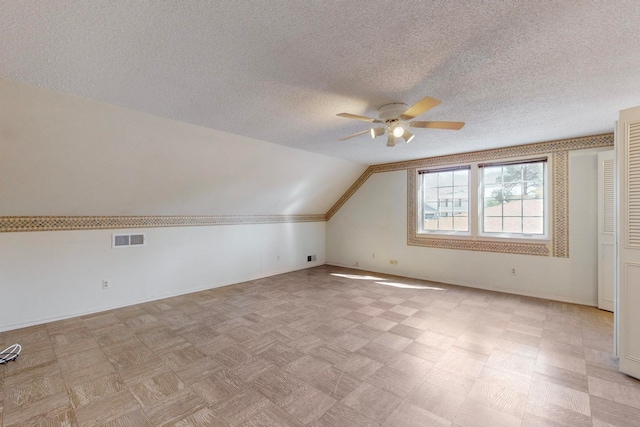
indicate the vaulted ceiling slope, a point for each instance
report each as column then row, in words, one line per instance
column 65, row 155
column 515, row 71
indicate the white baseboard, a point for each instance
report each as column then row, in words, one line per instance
column 542, row 295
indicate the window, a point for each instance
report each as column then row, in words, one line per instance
column 445, row 200
column 513, row 196
column 485, row 201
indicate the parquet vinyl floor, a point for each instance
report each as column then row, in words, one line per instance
column 323, row 347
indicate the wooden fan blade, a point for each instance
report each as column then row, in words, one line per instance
column 356, row 117
column 420, row 107
column 344, row 138
column 437, row 125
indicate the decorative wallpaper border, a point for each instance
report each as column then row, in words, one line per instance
column 581, row 143
column 560, row 226
column 485, row 246
column 59, row 223
column 560, row 205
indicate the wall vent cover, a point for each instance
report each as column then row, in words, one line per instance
column 128, row 240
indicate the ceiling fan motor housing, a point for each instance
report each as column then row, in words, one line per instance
column 391, row 111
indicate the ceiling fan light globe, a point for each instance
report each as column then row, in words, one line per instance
column 391, row 140
column 407, row 136
column 376, row 132
column 398, row 131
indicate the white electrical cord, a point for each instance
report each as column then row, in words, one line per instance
column 10, row 353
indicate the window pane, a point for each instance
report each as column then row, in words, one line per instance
column 533, row 207
column 532, row 172
column 445, row 192
column 492, row 190
column 492, row 207
column 533, row 190
column 533, row 225
column 512, row 224
column 513, row 190
column 512, row 173
column 493, row 225
column 533, row 180
column 442, row 201
column 502, row 193
column 429, row 180
column 430, row 194
column 445, row 223
column 513, row 198
column 461, row 192
column 431, row 224
column 512, row 208
column 461, row 177
column 461, row 223
column 430, row 209
column 445, row 179
column 492, row 175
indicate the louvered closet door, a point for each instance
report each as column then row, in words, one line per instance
column 629, row 241
column 606, row 229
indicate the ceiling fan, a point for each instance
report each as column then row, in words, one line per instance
column 395, row 119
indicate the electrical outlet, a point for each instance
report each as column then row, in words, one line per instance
column 393, row 261
column 106, row 284
column 373, row 255
column 513, row 271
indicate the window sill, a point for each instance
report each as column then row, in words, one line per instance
column 512, row 238
column 477, row 243
column 482, row 237
column 451, row 234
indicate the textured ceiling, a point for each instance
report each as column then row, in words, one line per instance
column 514, row 71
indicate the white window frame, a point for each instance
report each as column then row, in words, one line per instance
column 420, row 226
column 476, row 208
column 546, row 202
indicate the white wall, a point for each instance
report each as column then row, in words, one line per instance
column 64, row 155
column 53, row 275
column 374, row 221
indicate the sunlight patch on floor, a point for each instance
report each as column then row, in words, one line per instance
column 394, row 284
column 407, row 286
column 356, row 276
